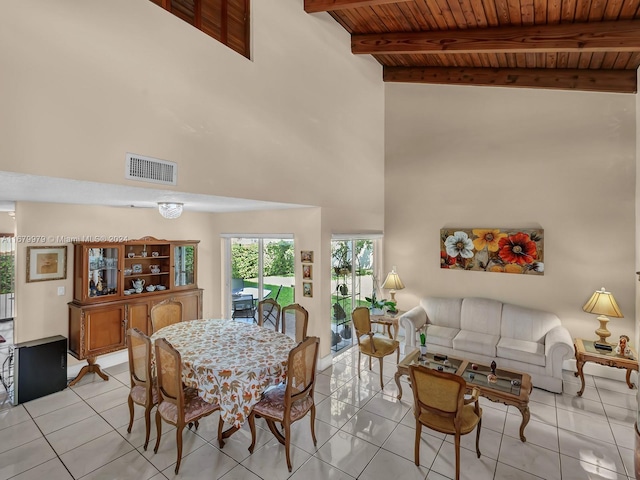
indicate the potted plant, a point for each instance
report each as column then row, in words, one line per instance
column 377, row 307
column 423, row 342
column 341, row 263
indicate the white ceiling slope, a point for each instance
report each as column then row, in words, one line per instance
column 36, row 188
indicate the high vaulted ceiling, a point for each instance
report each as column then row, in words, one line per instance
column 563, row 44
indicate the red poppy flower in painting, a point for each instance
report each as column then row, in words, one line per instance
column 518, row 248
column 445, row 260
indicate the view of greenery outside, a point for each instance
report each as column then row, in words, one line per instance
column 342, row 263
column 6, row 273
column 278, row 261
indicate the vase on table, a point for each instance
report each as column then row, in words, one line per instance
column 423, row 350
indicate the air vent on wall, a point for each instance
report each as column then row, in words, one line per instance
column 147, row 169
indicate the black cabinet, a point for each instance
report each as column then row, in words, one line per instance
column 39, row 369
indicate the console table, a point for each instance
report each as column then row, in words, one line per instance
column 587, row 352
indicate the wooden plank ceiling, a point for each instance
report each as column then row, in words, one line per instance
column 562, row 44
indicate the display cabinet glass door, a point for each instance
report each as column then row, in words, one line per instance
column 103, row 272
column 184, row 257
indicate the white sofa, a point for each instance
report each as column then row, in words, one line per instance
column 482, row 330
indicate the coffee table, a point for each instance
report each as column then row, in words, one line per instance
column 475, row 375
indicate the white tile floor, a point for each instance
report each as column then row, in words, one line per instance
column 362, row 432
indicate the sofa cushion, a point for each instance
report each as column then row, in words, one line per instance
column 443, row 336
column 481, row 315
column 521, row 350
column 474, row 342
column 526, row 324
column 442, row 311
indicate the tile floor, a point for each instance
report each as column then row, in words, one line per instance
column 363, row 432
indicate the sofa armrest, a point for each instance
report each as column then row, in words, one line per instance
column 411, row 321
column 558, row 346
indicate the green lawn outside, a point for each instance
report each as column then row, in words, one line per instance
column 285, row 297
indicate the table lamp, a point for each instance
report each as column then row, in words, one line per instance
column 393, row 282
column 602, row 304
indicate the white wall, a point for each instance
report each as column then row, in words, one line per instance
column 498, row 157
column 84, row 83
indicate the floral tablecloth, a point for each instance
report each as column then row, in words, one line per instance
column 230, row 363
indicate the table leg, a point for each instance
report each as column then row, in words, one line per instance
column 526, row 415
column 631, row 385
column 397, row 379
column 226, row 434
column 91, row 367
column 579, row 364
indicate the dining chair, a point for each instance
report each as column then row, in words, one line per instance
column 165, row 313
column 143, row 384
column 295, row 317
column 176, row 405
column 372, row 344
column 290, row 401
column 269, row 311
column 439, row 404
column 244, row 307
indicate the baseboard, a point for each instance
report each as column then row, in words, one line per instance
column 105, row 361
column 325, row 362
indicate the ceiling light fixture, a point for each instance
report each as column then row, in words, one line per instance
column 169, row 209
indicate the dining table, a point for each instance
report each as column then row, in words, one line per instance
column 229, row 363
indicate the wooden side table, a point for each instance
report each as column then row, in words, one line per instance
column 388, row 320
column 587, row 352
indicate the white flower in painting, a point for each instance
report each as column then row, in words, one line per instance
column 459, row 244
column 538, row 267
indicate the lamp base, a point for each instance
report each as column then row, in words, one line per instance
column 393, row 295
column 602, row 332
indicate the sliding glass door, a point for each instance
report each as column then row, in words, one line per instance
column 259, row 268
column 352, row 279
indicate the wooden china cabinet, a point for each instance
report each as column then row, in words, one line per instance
column 116, row 284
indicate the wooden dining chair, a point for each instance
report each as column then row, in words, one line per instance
column 439, row 404
column 269, row 312
column 176, row 405
column 373, row 345
column 295, row 317
column 165, row 313
column 143, row 384
column 290, row 401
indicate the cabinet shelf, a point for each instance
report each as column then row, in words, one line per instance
column 145, row 274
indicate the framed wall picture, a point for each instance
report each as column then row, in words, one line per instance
column 46, row 263
column 306, row 256
column 307, row 289
column 307, row 272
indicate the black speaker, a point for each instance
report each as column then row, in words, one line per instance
column 39, row 368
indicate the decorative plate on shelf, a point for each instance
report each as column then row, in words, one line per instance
column 137, row 268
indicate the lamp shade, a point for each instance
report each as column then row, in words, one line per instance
column 603, row 303
column 170, row 210
column 393, row 281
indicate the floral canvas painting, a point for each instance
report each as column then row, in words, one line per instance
column 493, row 250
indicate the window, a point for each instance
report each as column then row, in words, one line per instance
column 259, row 268
column 225, row 20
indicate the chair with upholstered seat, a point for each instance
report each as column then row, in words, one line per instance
column 439, row 404
column 165, row 313
column 295, row 317
column 373, row 345
column 292, row 400
column 176, row 405
column 143, row 384
column 269, row 312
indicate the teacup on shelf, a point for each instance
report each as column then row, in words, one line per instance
column 151, row 288
column 154, row 268
column 155, row 254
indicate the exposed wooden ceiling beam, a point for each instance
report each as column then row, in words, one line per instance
column 622, row 36
column 619, row 81
column 313, row 6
